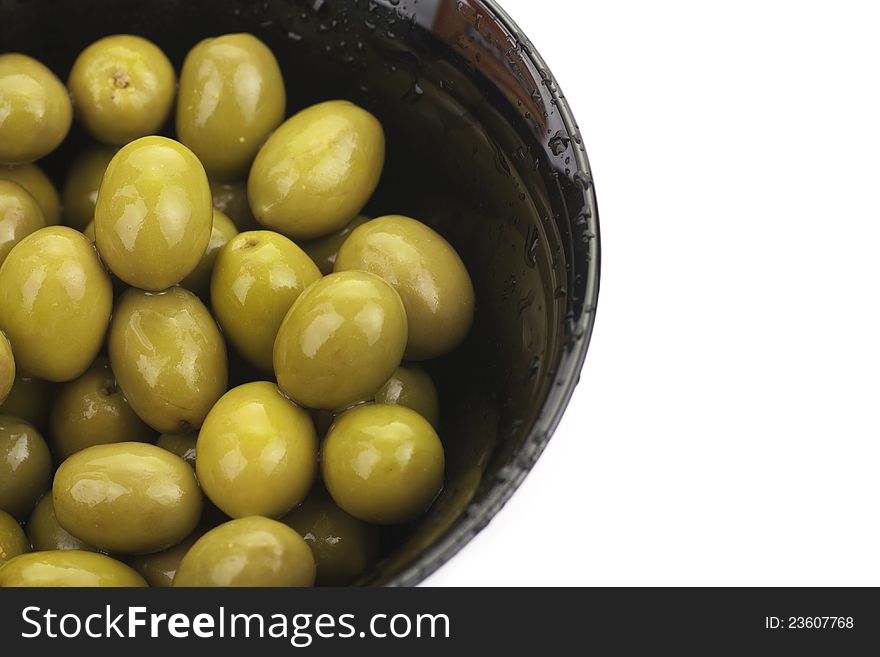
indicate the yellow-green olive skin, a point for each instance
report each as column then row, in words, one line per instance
column 153, row 217
column 30, row 400
column 123, row 88
column 231, row 199
column 382, row 463
column 45, row 533
column 12, row 538
column 317, row 170
column 343, row 546
column 231, row 98
column 257, row 452
column 253, row 552
column 323, row 250
column 127, row 498
column 25, row 466
column 20, row 215
column 91, row 410
column 36, row 112
column 160, row 568
column 80, row 193
column 256, row 279
column 340, row 341
column 7, row 368
column 63, row 568
column 411, row 386
column 55, row 302
column 199, row 280
column 182, row 445
column 427, row 273
column 38, row 185
column 169, row 358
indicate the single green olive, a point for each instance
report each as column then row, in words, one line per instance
column 12, row 538
column 57, row 568
column 231, row 199
column 317, row 170
column 251, row 552
column 25, row 466
column 411, row 386
column 199, row 279
column 36, row 111
column 382, row 463
column 340, row 341
column 256, row 279
column 343, row 546
column 80, row 191
column 427, row 272
column 123, row 88
column 257, row 452
column 160, row 568
column 7, row 368
column 231, row 98
column 92, row 411
column 30, row 400
column 45, row 533
column 323, row 250
column 20, row 215
column 128, row 498
column 182, row 445
column 38, row 185
column 169, row 358
column 55, row 302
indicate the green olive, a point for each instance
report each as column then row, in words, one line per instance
column 12, row 539
column 427, row 272
column 89, row 232
column 169, row 358
column 412, row 387
column 128, row 498
column 323, row 250
column 7, row 368
column 123, row 88
column 160, row 568
column 231, row 199
column 45, row 533
column 231, row 98
column 153, row 216
column 35, row 110
column 317, row 170
column 343, row 546
column 251, row 552
column 55, row 302
column 257, row 452
column 20, row 215
column 57, row 568
column 30, row 400
column 257, row 277
column 340, row 341
column 25, row 466
column 199, row 280
column 92, row 411
column 80, row 191
column 182, row 445
column 382, row 463
column 38, row 185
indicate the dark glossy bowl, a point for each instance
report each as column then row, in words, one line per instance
column 481, row 145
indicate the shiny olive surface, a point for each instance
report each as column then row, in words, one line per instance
column 199, row 279
column 340, row 341
column 323, row 250
column 160, row 568
column 7, row 368
column 45, row 533
column 257, row 452
column 38, row 185
column 57, row 568
column 231, row 199
column 55, row 302
column 30, row 400
column 251, row 551
column 231, row 98
column 256, row 279
column 317, row 170
column 123, row 88
column 35, row 110
column 182, row 445
column 92, row 411
column 383, row 464
column 169, row 358
column 20, row 215
column 12, row 539
column 80, row 191
column 343, row 546
column 412, row 387
column 128, row 498
column 153, row 216
column 25, row 466
column 427, row 273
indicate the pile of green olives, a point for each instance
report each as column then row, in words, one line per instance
column 210, row 357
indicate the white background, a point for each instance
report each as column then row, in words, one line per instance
column 725, row 430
